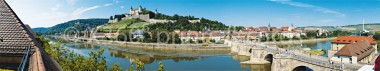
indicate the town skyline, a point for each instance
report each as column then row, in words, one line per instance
column 236, row 13
column 146, row 38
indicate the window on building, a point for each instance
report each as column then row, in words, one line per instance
column 350, row 60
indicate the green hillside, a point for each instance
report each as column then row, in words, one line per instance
column 328, row 28
column 353, row 28
column 370, row 27
column 79, row 24
column 124, row 24
column 40, row 30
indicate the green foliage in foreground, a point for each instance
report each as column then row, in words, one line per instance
column 161, row 68
column 70, row 61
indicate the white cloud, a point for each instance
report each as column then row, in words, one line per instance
column 81, row 10
column 107, row 4
column 116, row 1
column 122, row 7
column 71, row 2
column 50, row 13
column 315, row 8
column 56, row 7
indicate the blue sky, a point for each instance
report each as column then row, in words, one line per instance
column 47, row 13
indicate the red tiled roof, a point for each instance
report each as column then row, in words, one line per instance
column 360, row 49
column 244, row 33
column 285, row 28
column 15, row 36
column 353, row 39
column 276, row 30
column 199, row 34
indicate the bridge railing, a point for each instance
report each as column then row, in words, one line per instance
column 312, row 59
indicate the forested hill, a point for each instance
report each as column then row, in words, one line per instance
column 80, row 24
column 184, row 24
column 40, row 30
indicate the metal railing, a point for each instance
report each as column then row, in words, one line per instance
column 24, row 60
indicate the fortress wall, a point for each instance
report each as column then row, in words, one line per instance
column 143, row 17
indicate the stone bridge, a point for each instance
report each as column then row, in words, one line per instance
column 283, row 60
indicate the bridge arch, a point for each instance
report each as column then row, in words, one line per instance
column 302, row 68
column 269, row 58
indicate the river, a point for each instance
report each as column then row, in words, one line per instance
column 326, row 45
column 173, row 60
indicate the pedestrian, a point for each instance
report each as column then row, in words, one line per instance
column 310, row 55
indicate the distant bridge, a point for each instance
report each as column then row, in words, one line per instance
column 283, row 60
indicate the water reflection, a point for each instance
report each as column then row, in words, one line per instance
column 173, row 60
column 156, row 52
column 148, row 59
column 260, row 67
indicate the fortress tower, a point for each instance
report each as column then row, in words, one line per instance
column 136, row 11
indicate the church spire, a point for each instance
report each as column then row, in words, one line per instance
column 292, row 25
column 364, row 30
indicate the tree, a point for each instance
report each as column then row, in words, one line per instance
column 377, row 36
column 111, row 18
column 140, row 65
column 130, row 68
column 70, row 61
column 161, row 67
column 115, row 68
column 312, row 34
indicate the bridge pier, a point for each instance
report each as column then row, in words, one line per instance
column 259, row 56
column 240, row 48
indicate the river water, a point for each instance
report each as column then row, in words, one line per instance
column 326, row 45
column 173, row 60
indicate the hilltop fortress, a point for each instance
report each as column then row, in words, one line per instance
column 148, row 17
